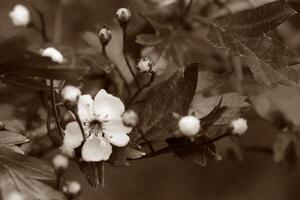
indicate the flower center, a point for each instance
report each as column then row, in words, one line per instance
column 95, row 128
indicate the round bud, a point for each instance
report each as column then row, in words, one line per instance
column 239, row 126
column 54, row 54
column 145, row 65
column 123, row 15
column 72, row 188
column 14, row 195
column 67, row 150
column 60, row 162
column 104, row 35
column 20, row 15
column 189, row 126
column 70, row 94
column 130, row 118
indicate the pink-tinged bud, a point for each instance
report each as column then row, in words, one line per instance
column 189, row 126
column 145, row 65
column 104, row 35
column 60, row 162
column 130, row 118
column 239, row 126
column 123, row 15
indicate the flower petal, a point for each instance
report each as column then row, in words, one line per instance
column 96, row 149
column 116, row 132
column 73, row 136
column 85, row 108
column 107, row 106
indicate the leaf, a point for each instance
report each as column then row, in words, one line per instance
column 11, row 138
column 169, row 43
column 120, row 156
column 196, row 151
column 175, row 95
column 21, row 81
column 264, row 56
column 93, row 172
column 24, row 174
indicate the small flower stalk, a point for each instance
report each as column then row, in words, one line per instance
column 189, row 126
column 239, row 126
column 104, row 35
column 123, row 16
column 145, row 65
column 70, row 95
column 20, row 15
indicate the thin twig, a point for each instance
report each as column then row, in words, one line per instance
column 148, row 84
column 53, row 102
column 42, row 20
column 126, row 58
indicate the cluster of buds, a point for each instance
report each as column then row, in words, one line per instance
column 145, row 65
column 189, row 126
column 123, row 16
column 130, row 118
column 104, row 35
column 72, row 189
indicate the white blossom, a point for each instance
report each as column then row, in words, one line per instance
column 20, row 15
column 189, row 125
column 103, row 127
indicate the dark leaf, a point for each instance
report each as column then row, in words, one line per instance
column 175, row 95
column 120, row 156
column 30, row 83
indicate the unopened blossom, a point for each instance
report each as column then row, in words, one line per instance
column 53, row 53
column 239, row 126
column 103, row 127
column 20, row 15
column 104, row 35
column 130, row 118
column 70, row 94
column 72, row 188
column 60, row 162
column 123, row 15
column 189, row 125
column 145, row 65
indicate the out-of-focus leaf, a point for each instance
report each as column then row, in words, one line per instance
column 24, row 174
column 281, row 145
column 265, row 57
column 11, row 138
column 175, row 95
column 195, row 151
column 169, row 43
column 93, row 172
column 120, row 156
column 25, row 82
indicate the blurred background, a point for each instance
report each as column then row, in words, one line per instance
column 166, row 177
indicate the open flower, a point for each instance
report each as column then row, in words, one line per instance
column 103, row 127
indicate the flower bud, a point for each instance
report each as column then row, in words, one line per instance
column 60, row 162
column 239, row 126
column 104, row 35
column 189, row 126
column 67, row 150
column 72, row 188
column 130, row 118
column 54, row 54
column 145, row 65
column 70, row 94
column 123, row 15
column 14, row 195
column 20, row 15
